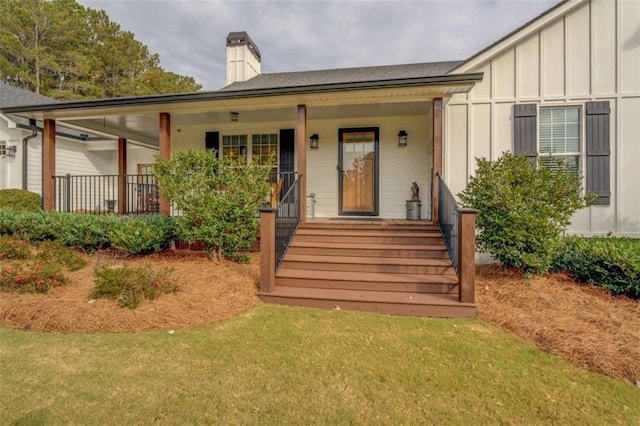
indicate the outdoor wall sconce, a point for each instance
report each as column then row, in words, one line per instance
column 8, row 151
column 402, row 138
column 234, row 116
column 314, row 141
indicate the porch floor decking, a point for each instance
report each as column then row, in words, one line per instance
column 391, row 266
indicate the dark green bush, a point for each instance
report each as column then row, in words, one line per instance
column 611, row 263
column 85, row 231
column 142, row 235
column 130, row 286
column 20, row 200
column 136, row 234
column 523, row 210
column 34, row 227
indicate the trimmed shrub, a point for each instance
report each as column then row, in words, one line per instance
column 20, row 200
column 611, row 263
column 34, row 227
column 130, row 286
column 85, row 231
column 136, row 234
column 218, row 198
column 142, row 235
column 523, row 209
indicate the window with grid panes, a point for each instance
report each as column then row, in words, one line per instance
column 264, row 147
column 234, row 146
column 559, row 137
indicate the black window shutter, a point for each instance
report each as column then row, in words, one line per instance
column 287, row 156
column 212, row 141
column 525, row 131
column 598, row 151
column 287, row 148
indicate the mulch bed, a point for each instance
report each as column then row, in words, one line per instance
column 581, row 323
column 211, row 290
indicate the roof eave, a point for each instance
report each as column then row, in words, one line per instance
column 453, row 79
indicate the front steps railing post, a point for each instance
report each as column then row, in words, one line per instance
column 467, row 255
column 267, row 249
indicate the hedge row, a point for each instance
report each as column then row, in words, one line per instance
column 136, row 235
column 20, row 199
column 611, row 263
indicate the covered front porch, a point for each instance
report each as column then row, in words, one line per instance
column 358, row 153
column 358, row 150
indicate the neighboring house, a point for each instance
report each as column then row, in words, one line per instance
column 78, row 151
column 564, row 85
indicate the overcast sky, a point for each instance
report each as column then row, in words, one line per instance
column 190, row 35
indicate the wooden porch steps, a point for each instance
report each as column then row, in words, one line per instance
column 392, row 268
column 383, row 302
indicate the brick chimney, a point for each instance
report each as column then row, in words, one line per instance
column 243, row 57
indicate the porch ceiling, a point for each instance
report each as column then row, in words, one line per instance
column 137, row 119
column 143, row 128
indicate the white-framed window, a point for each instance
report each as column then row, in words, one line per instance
column 578, row 134
column 255, row 147
column 264, row 147
column 559, row 136
column 234, row 146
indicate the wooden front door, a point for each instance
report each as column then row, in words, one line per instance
column 358, row 171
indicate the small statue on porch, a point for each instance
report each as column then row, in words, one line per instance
column 415, row 192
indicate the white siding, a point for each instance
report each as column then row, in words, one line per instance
column 71, row 158
column 591, row 53
column 399, row 167
column 34, row 168
column 138, row 155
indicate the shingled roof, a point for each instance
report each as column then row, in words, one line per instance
column 344, row 75
column 13, row 97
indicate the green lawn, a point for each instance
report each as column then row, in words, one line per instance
column 277, row 365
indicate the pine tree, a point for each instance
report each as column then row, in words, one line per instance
column 61, row 49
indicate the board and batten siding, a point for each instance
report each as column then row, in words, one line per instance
column 589, row 54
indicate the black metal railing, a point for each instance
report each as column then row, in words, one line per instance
column 448, row 221
column 103, row 194
column 287, row 217
column 282, row 181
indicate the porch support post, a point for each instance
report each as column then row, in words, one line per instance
column 48, row 165
column 165, row 152
column 122, row 176
column 467, row 255
column 437, row 157
column 301, row 153
column 267, row 249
